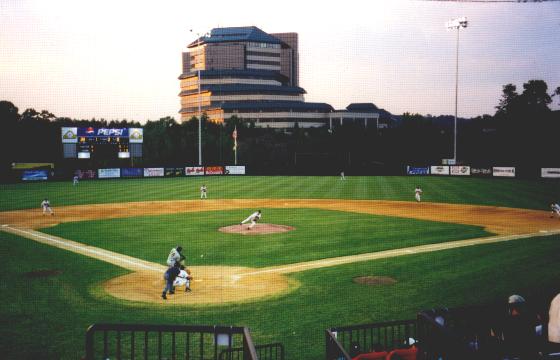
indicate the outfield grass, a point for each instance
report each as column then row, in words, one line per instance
column 319, row 234
column 530, row 194
column 46, row 318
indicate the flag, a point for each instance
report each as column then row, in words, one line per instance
column 234, row 136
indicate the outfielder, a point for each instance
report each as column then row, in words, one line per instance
column 418, row 193
column 175, row 256
column 46, row 205
column 75, row 180
column 203, row 191
column 554, row 210
column 253, row 218
column 183, row 279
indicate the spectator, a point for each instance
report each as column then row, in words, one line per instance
column 554, row 325
column 518, row 331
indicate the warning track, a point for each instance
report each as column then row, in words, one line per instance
column 221, row 284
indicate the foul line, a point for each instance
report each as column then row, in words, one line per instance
column 101, row 254
column 315, row 264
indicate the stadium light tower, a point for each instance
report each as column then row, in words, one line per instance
column 198, row 36
column 457, row 23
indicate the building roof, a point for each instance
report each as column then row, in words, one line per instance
column 247, row 88
column 240, row 73
column 277, row 105
column 237, row 34
column 362, row 107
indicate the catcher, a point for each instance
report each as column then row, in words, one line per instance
column 183, row 279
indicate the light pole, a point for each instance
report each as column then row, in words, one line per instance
column 457, row 23
column 199, row 102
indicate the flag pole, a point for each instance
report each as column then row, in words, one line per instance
column 235, row 144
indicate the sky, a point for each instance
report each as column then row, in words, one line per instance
column 121, row 59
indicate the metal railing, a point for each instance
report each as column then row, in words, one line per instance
column 142, row 341
column 273, row 351
column 347, row 341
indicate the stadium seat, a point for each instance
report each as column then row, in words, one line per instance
column 377, row 355
column 405, row 354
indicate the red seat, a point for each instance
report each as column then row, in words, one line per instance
column 406, row 354
column 378, row 355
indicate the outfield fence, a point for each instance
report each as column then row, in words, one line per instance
column 142, row 341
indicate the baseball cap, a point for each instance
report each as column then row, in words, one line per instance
column 516, row 299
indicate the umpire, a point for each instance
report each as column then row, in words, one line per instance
column 169, row 277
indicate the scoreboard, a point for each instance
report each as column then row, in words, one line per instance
column 106, row 143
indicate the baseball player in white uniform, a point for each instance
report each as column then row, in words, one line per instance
column 183, row 279
column 203, row 191
column 253, row 218
column 554, row 210
column 175, row 256
column 342, row 177
column 418, row 193
column 46, row 205
column 75, row 180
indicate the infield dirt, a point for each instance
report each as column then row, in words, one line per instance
column 221, row 284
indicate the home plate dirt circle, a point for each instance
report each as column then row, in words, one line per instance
column 258, row 229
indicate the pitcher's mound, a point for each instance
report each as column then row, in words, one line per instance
column 258, row 229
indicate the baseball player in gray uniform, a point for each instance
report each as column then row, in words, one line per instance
column 253, row 218
column 175, row 256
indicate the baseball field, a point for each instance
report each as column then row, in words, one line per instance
column 101, row 257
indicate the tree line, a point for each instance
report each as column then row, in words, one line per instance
column 522, row 132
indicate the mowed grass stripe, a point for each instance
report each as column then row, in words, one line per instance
column 531, row 194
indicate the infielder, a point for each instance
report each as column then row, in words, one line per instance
column 253, row 218
column 554, row 210
column 75, row 180
column 203, row 191
column 46, row 205
column 418, row 193
column 175, row 256
column 183, row 279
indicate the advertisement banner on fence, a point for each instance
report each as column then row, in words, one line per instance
column 460, row 170
column 503, row 171
column 439, row 170
column 550, row 172
column 153, row 172
column 132, row 172
column 174, row 171
column 410, row 170
column 85, row 174
column 481, row 171
column 194, row 170
column 235, row 170
column 214, row 170
column 108, row 173
column 34, row 175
